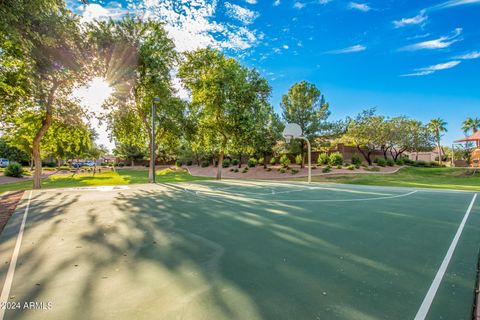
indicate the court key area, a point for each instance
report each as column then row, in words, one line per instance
column 241, row 250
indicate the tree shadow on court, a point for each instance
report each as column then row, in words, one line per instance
column 163, row 253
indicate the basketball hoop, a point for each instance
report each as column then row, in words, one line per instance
column 294, row 131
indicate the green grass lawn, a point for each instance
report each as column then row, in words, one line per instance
column 123, row 176
column 438, row 178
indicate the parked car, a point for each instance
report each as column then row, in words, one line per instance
column 89, row 163
column 77, row 164
column 4, row 163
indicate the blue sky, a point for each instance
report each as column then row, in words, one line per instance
column 414, row 58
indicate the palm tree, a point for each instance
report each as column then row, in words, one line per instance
column 437, row 127
column 471, row 124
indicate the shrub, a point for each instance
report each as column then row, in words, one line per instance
column 245, row 170
column 269, row 169
column 322, row 159
column 189, row 162
column 351, row 167
column 121, row 164
column 49, row 164
column 231, row 170
column 284, row 161
column 14, row 169
column 408, row 161
column 356, row 160
column 298, row 159
column 400, row 161
column 327, row 169
column 282, row 170
column 420, row 163
column 252, row 162
column 339, row 167
column 373, row 169
column 273, row 161
column 375, row 160
column 205, row 163
column 335, row 159
column 261, row 161
column 226, row 163
column 381, row 162
column 178, row 163
column 390, row 162
column 235, row 162
column 314, row 167
column 294, row 171
column 235, row 170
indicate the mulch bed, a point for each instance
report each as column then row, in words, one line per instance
column 8, row 203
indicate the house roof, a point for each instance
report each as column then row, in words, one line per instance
column 474, row 137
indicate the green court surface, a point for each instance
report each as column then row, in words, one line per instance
column 241, row 250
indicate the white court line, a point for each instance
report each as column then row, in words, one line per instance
column 13, row 263
column 217, row 195
column 427, row 301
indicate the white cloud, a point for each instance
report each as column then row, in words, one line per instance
column 421, row 18
column 359, row 6
column 432, row 69
column 355, row 48
column 276, row 3
column 191, row 24
column 97, row 12
column 454, row 3
column 324, row 1
column 299, row 5
column 440, row 43
column 285, row 46
column 251, row 1
column 469, row 56
column 241, row 14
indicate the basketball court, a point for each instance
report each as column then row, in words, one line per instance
column 240, row 250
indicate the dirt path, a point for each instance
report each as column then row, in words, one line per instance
column 8, row 203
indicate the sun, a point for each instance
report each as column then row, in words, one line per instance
column 94, row 94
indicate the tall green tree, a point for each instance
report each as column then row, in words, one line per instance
column 225, row 96
column 137, row 58
column 305, row 105
column 420, row 138
column 471, row 124
column 438, row 127
column 43, row 39
column 362, row 132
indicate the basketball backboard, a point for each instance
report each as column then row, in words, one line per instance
column 292, row 130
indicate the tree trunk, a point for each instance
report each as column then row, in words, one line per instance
column 219, row 167
column 37, row 159
column 239, row 160
column 439, row 153
column 264, row 160
column 384, row 150
column 133, row 162
column 365, row 155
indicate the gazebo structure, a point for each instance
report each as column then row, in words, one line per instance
column 475, row 137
